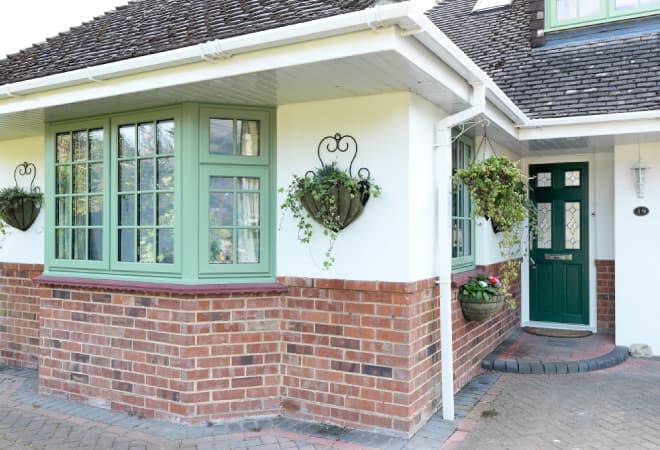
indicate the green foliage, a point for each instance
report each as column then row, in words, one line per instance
column 12, row 198
column 497, row 189
column 321, row 195
column 482, row 288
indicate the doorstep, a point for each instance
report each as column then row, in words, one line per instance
column 525, row 353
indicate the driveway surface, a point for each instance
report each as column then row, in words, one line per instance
column 617, row 408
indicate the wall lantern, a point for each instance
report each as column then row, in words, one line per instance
column 640, row 170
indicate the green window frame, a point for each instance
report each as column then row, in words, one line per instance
column 462, row 222
column 145, row 173
column 590, row 12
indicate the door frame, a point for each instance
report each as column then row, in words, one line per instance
column 525, row 278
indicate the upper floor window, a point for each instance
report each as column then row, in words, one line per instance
column 126, row 202
column 572, row 13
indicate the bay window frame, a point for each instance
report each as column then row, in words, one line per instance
column 607, row 14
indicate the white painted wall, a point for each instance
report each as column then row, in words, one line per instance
column 637, row 247
column 393, row 239
column 22, row 246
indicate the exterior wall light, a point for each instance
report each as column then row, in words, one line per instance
column 639, row 172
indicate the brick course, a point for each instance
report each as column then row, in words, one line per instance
column 354, row 353
column 605, row 295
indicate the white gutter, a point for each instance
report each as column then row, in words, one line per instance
column 402, row 15
column 443, row 167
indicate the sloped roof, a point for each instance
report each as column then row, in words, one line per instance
column 145, row 27
column 607, row 76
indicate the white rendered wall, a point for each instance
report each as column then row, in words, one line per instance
column 377, row 246
column 637, row 246
column 22, row 246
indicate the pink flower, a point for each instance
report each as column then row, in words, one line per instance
column 495, row 281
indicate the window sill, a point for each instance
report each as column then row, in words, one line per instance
column 160, row 288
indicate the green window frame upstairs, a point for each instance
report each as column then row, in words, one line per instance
column 462, row 222
column 180, row 193
column 564, row 14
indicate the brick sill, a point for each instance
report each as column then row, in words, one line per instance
column 160, row 288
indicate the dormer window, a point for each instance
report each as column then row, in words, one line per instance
column 483, row 5
column 561, row 14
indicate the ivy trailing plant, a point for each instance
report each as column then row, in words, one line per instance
column 497, row 189
column 19, row 208
column 330, row 196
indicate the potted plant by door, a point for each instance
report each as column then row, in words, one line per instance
column 481, row 297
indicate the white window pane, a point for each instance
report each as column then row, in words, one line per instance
column 589, row 8
column 566, row 9
column 625, row 4
column 649, row 2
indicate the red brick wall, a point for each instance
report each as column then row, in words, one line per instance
column 605, row 295
column 192, row 360
column 364, row 354
column 361, row 354
column 473, row 341
column 19, row 315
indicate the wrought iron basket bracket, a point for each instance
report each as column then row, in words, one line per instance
column 27, row 169
column 342, row 144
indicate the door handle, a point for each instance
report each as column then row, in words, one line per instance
column 558, row 257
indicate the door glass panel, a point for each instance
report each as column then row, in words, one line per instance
column 572, row 211
column 544, row 225
column 572, row 178
column 544, row 179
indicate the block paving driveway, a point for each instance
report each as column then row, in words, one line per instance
column 615, row 408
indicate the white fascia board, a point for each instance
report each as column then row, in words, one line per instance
column 497, row 117
column 338, row 47
column 436, row 68
column 400, row 14
column 597, row 125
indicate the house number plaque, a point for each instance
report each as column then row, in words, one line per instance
column 641, row 211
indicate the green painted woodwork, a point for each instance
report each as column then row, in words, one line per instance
column 607, row 13
column 191, row 163
column 559, row 265
column 462, row 223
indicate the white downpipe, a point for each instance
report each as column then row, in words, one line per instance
column 444, row 188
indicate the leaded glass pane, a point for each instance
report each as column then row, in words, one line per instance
column 166, row 246
column 146, row 209
column 222, row 137
column 572, row 229
column 166, row 209
column 147, row 175
column 221, row 209
column 147, row 245
column 247, row 135
column 221, row 246
column 80, row 211
column 544, row 179
column 63, row 243
column 221, row 183
column 96, row 244
column 80, row 244
column 63, row 179
column 80, row 145
column 544, row 238
column 80, row 178
column 127, row 176
column 248, row 184
column 96, row 210
column 96, row 178
column 572, row 178
column 63, row 213
column 248, row 210
column 96, row 145
column 166, row 173
column 127, row 211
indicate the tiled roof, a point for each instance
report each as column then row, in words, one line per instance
column 145, row 27
column 598, row 77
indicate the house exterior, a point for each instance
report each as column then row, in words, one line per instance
column 162, row 278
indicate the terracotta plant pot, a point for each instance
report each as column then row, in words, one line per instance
column 348, row 208
column 479, row 311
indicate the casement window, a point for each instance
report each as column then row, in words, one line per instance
column 463, row 232
column 562, row 14
column 171, row 194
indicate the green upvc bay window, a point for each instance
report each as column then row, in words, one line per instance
column 561, row 14
column 182, row 193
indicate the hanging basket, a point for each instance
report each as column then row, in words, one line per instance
column 349, row 206
column 478, row 310
column 21, row 213
column 20, row 208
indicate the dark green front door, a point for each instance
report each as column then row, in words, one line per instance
column 559, row 264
